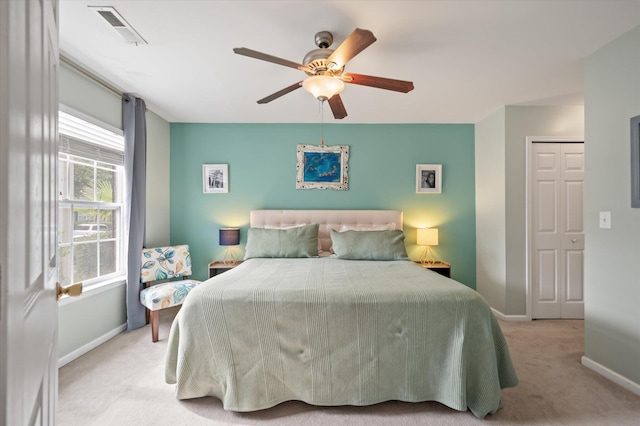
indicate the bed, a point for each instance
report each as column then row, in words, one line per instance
column 355, row 323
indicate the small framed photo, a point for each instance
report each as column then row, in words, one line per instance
column 215, row 178
column 428, row 178
column 323, row 167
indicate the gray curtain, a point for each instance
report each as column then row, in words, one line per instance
column 135, row 167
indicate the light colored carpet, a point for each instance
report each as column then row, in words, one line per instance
column 122, row 383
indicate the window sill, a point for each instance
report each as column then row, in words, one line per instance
column 95, row 289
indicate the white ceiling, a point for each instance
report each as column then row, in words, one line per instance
column 466, row 58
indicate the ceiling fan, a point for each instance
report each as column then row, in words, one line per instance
column 325, row 68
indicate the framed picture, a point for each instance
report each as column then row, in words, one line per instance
column 322, row 167
column 428, row 178
column 215, row 178
column 635, row 162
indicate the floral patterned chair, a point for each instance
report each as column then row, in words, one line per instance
column 164, row 264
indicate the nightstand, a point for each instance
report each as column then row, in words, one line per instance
column 443, row 268
column 217, row 267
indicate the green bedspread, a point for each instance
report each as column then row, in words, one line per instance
column 337, row 332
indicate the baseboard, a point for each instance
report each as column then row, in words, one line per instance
column 616, row 378
column 91, row 345
column 513, row 318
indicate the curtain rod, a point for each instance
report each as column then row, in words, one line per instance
column 90, row 75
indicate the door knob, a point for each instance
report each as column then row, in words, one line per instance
column 573, row 240
column 74, row 290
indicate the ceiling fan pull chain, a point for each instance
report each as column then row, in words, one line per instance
column 322, row 122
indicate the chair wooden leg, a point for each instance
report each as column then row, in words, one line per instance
column 146, row 314
column 155, row 323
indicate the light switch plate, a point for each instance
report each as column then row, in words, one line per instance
column 605, row 220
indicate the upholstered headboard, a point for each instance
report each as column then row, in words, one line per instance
column 327, row 219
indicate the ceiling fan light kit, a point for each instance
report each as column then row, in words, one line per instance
column 325, row 68
column 323, row 87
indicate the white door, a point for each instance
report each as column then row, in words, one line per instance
column 557, row 230
column 28, row 159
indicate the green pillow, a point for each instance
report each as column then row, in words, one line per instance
column 301, row 241
column 369, row 245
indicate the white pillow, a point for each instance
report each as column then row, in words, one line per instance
column 284, row 226
column 384, row 227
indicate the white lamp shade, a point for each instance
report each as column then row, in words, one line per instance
column 427, row 237
column 323, row 87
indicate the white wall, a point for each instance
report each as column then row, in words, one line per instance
column 612, row 256
column 158, row 207
column 501, row 201
column 96, row 316
column 491, row 265
column 520, row 122
column 84, row 95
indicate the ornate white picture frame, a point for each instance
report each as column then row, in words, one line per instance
column 322, row 167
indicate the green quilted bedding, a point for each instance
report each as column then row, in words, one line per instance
column 337, row 332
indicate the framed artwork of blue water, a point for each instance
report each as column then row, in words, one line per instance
column 322, row 167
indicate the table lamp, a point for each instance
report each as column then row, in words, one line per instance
column 427, row 237
column 229, row 237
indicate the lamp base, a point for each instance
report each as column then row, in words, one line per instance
column 427, row 257
column 229, row 258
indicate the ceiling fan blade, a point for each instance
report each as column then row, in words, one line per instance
column 357, row 41
column 269, row 58
column 378, row 82
column 280, row 93
column 337, row 107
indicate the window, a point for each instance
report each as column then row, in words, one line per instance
column 91, row 204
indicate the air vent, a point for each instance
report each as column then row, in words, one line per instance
column 118, row 23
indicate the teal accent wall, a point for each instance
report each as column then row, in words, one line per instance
column 382, row 174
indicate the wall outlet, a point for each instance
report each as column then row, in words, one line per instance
column 605, row 220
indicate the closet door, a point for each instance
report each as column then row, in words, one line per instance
column 557, row 234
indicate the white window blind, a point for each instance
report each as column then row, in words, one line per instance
column 90, row 208
column 84, row 139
